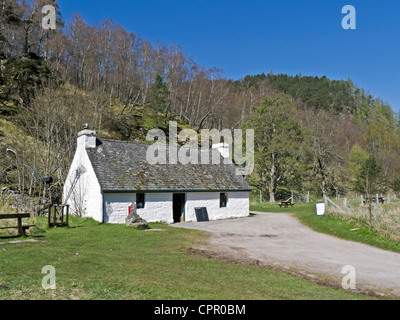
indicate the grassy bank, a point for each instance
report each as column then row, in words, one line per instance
column 332, row 224
column 99, row 261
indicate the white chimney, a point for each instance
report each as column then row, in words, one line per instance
column 223, row 149
column 87, row 138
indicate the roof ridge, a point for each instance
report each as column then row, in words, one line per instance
column 122, row 141
column 200, row 148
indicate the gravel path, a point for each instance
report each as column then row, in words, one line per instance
column 280, row 240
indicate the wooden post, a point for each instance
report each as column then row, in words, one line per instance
column 308, row 196
column 374, row 211
column 362, row 200
column 345, row 202
column 49, row 217
column 347, row 206
column 377, row 200
column 62, row 214
column 20, row 231
column 292, row 197
column 388, row 198
column 67, row 214
column 55, row 215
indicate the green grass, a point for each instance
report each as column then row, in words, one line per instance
column 306, row 213
column 101, row 261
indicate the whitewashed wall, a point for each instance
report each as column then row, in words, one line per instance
column 158, row 207
column 238, row 205
column 116, row 206
column 86, row 198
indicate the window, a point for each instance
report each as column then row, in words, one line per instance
column 223, row 200
column 140, row 200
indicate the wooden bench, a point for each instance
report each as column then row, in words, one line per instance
column 21, row 228
column 286, row 203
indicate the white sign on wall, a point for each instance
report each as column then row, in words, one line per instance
column 320, row 208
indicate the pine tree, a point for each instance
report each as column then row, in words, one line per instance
column 159, row 102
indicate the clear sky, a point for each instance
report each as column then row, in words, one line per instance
column 244, row 37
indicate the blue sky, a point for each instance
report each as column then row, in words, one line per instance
column 286, row 36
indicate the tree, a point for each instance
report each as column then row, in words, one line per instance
column 396, row 184
column 357, row 156
column 23, row 50
column 46, row 140
column 383, row 143
column 370, row 179
column 278, row 144
column 159, row 102
column 327, row 145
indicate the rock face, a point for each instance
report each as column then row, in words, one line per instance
column 134, row 220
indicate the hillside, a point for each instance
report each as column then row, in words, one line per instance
column 54, row 81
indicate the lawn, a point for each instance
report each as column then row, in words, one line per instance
column 330, row 224
column 113, row 262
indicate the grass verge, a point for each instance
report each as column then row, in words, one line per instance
column 331, row 225
column 96, row 261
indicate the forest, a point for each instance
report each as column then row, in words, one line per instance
column 311, row 133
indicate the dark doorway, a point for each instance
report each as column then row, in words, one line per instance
column 178, row 206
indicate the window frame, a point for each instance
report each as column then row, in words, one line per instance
column 223, row 200
column 144, row 201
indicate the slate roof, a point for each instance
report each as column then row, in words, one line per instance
column 122, row 167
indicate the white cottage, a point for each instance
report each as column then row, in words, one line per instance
column 108, row 176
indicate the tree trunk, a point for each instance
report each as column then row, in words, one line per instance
column 272, row 185
column 323, row 178
column 323, row 186
column 271, row 196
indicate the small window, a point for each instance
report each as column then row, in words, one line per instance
column 223, row 200
column 140, row 200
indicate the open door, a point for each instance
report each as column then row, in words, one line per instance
column 178, row 205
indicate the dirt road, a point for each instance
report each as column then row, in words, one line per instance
column 281, row 241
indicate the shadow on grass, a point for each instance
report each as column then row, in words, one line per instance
column 11, row 237
column 18, row 237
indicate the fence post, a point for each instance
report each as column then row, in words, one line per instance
column 388, row 198
column 374, row 211
column 308, row 196
column 347, row 206
column 362, row 200
column 376, row 200
column 292, row 196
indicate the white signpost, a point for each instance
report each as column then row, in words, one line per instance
column 320, row 207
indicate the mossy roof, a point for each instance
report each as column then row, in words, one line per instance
column 123, row 167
